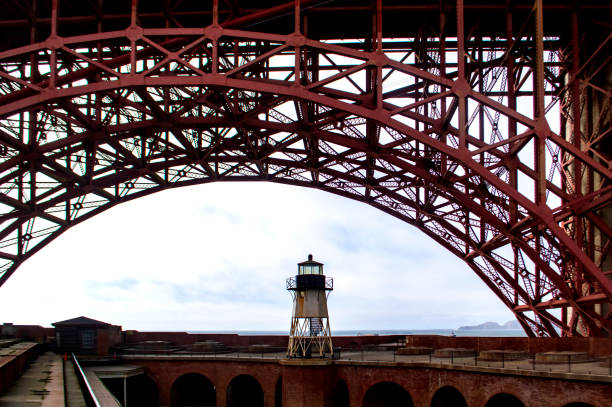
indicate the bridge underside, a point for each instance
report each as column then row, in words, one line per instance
column 487, row 127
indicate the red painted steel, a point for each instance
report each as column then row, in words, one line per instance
column 487, row 127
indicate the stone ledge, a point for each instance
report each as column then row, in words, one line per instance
column 563, row 357
column 498, row 355
column 306, row 362
column 415, row 350
column 200, row 358
column 454, row 352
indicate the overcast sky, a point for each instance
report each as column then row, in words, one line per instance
column 216, row 256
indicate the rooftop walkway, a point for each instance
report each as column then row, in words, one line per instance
column 44, row 384
column 41, row 384
column 42, row 381
column 73, row 390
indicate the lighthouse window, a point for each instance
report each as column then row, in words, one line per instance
column 310, row 269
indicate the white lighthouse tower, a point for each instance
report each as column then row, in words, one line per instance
column 310, row 334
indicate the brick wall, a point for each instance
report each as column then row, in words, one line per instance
column 11, row 366
column 311, row 383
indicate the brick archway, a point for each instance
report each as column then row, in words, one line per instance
column 504, row 400
column 387, row 394
column 244, row 391
column 193, row 389
column 447, row 396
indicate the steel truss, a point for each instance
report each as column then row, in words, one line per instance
column 492, row 144
column 310, row 337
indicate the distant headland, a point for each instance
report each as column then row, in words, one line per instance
column 492, row 325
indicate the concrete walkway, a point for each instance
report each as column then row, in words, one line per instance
column 41, row 384
column 74, row 396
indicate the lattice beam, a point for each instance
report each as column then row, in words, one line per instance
column 490, row 135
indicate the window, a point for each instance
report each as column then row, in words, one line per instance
column 310, row 269
column 88, row 339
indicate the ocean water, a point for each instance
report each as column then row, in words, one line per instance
column 359, row 332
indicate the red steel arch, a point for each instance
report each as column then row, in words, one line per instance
column 448, row 130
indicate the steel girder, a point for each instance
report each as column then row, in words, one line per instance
column 479, row 141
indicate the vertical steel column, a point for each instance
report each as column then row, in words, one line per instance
column 215, row 39
column 133, row 14
column 539, row 109
column 511, row 94
column 379, row 43
column 98, row 99
column 26, row 130
column 32, row 131
column 442, row 50
column 53, row 61
column 481, row 131
column 297, row 17
column 541, row 124
column 167, row 13
column 461, row 76
column 297, row 48
column 576, row 138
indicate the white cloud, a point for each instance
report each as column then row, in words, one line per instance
column 215, row 257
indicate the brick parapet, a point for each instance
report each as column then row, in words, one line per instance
column 593, row 346
column 11, row 366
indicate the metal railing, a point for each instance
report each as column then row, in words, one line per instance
column 264, row 352
column 88, row 394
column 601, row 366
column 291, row 283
